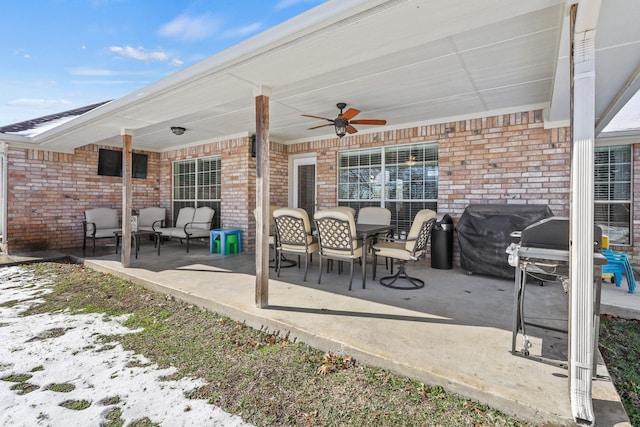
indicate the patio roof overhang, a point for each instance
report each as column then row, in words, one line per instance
column 409, row 62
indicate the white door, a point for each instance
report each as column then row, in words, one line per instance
column 304, row 184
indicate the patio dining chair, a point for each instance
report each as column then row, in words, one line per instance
column 411, row 249
column 293, row 231
column 273, row 263
column 338, row 239
column 375, row 215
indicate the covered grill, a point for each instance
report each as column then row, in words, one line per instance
column 484, row 232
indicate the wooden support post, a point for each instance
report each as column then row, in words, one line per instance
column 262, row 197
column 127, row 191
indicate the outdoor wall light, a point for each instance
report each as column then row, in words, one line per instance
column 177, row 130
column 341, row 127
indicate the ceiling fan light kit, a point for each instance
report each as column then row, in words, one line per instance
column 343, row 123
column 341, row 127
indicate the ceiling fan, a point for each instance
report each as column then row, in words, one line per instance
column 343, row 122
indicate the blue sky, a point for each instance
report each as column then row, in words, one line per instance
column 63, row 54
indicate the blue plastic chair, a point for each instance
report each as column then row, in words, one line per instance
column 618, row 264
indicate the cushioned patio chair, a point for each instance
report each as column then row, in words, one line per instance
column 272, row 239
column 147, row 217
column 99, row 223
column 191, row 224
column 375, row 215
column 338, row 239
column 293, row 231
column 347, row 209
column 411, row 249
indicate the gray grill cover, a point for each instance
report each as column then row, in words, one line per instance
column 484, row 235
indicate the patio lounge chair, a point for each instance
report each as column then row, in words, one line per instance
column 147, row 217
column 99, row 223
column 191, row 223
column 293, row 231
column 411, row 249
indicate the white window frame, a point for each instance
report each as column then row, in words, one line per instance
column 608, row 202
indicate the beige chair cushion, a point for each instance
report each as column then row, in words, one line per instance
column 343, row 215
column 339, row 213
column 105, row 220
column 374, row 215
column 202, row 218
column 393, row 250
column 199, row 221
column 346, row 209
column 185, row 216
column 147, row 216
column 180, row 234
column 421, row 216
column 301, row 214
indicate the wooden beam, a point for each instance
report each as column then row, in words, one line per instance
column 127, row 191
column 262, row 199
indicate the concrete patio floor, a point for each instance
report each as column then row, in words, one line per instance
column 455, row 332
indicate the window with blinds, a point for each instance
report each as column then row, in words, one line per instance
column 613, row 189
column 197, row 182
column 404, row 179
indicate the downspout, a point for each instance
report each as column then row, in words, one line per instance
column 3, row 198
column 584, row 19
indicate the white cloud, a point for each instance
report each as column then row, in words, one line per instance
column 104, row 72
column 176, row 62
column 283, row 4
column 110, row 82
column 243, row 31
column 38, row 102
column 139, row 53
column 190, row 28
column 83, row 71
column 23, row 53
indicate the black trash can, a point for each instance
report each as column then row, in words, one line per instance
column 442, row 243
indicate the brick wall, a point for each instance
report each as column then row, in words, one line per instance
column 501, row 159
column 238, row 184
column 49, row 192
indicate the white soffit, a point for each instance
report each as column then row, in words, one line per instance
column 404, row 61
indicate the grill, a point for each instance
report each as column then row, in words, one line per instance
column 543, row 252
column 553, row 233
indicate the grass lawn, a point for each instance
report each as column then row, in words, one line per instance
column 270, row 380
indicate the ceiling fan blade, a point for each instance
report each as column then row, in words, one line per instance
column 317, row 117
column 351, row 129
column 350, row 113
column 369, row 122
column 321, row 126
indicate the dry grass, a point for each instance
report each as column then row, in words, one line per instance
column 264, row 377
